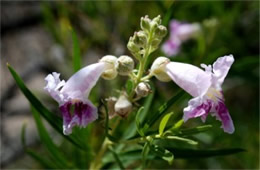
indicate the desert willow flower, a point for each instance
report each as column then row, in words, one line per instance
column 72, row 96
column 205, row 87
column 179, row 32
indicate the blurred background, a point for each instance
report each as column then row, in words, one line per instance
column 36, row 39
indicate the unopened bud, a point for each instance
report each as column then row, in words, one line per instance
column 139, row 38
column 111, row 101
column 161, row 31
column 123, row 106
column 125, row 65
column 155, row 43
column 110, row 67
column 155, row 22
column 132, row 46
column 143, row 89
column 158, row 69
column 145, row 23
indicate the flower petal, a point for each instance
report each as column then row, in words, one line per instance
column 171, row 47
column 84, row 113
column 191, row 78
column 82, row 82
column 222, row 114
column 197, row 108
column 53, row 85
column 221, row 68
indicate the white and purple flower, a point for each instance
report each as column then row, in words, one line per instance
column 205, row 87
column 179, row 32
column 72, row 96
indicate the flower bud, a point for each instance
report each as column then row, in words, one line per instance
column 155, row 43
column 139, row 38
column 160, row 31
column 158, row 69
column 155, row 22
column 111, row 101
column 123, row 106
column 143, row 89
column 132, row 46
column 125, row 65
column 110, row 67
column 145, row 23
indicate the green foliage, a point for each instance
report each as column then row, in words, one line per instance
column 76, row 56
column 164, row 122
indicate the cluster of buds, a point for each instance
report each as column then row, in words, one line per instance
column 114, row 66
column 151, row 34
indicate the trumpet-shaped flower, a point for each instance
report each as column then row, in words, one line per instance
column 179, row 32
column 205, row 87
column 72, row 96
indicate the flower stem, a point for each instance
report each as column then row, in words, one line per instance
column 98, row 161
column 143, row 63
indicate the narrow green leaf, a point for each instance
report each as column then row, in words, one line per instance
column 147, row 105
column 76, row 57
column 168, row 15
column 145, row 153
column 44, row 162
column 191, row 131
column 119, row 162
column 162, row 153
column 195, row 153
column 137, row 121
column 178, row 125
column 47, row 141
column 54, row 120
column 41, row 159
column 23, row 135
column 129, row 86
column 189, row 141
column 164, row 122
column 162, row 110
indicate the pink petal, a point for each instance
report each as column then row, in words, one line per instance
column 84, row 113
column 222, row 114
column 221, row 68
column 191, row 78
column 80, row 84
column 197, row 108
column 171, row 47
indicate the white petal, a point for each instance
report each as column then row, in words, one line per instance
column 191, row 78
column 83, row 81
column 53, row 85
column 221, row 68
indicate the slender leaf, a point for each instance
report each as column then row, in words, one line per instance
column 164, row 122
column 147, row 105
column 191, row 131
column 55, row 121
column 179, row 153
column 189, row 141
column 76, row 56
column 129, row 86
column 163, row 153
column 47, row 141
column 192, row 153
column 119, row 162
column 41, row 159
column 137, row 121
column 44, row 162
column 145, row 153
column 163, row 109
column 168, row 15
